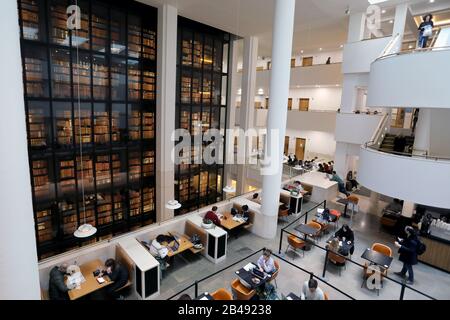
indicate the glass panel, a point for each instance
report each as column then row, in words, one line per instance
column 223, row 97
column 100, row 73
column 45, row 225
column 208, row 53
column 80, row 38
column 85, row 173
column 134, row 122
column 186, row 50
column 66, row 172
column 118, row 82
column 103, row 170
column 148, row 163
column 134, row 36
column 118, row 32
column 104, row 209
column 216, row 88
column 194, row 187
column 99, row 28
column 149, row 41
column 101, row 124
column 119, row 207
column 224, row 58
column 196, row 89
column 43, row 186
column 39, row 124
column 81, row 74
column 134, row 166
column 207, row 87
column 134, row 80
column 148, row 125
column 68, row 212
column 36, row 71
column 203, row 183
column 33, row 21
column 198, row 51
column 149, row 200
column 63, row 124
column 60, row 60
column 185, row 96
column 119, row 169
column 59, row 33
column 149, row 85
column 83, row 123
column 119, row 123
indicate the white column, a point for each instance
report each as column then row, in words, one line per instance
column 356, row 27
column 233, row 84
column 165, row 104
column 19, row 276
column 340, row 159
column 408, row 209
column 401, row 14
column 283, row 29
column 247, row 109
column 374, row 198
column 422, row 132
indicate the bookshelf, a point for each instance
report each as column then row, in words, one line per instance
column 148, row 161
column 105, row 148
column 201, row 102
column 44, row 225
column 40, row 175
column 37, row 135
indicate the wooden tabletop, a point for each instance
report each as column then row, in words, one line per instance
column 184, row 242
column 91, row 284
column 228, row 222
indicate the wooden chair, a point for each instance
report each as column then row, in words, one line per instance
column 222, row 294
column 352, row 201
column 337, row 260
column 283, row 213
column 240, row 291
column 275, row 274
column 296, row 244
column 337, row 214
column 316, row 226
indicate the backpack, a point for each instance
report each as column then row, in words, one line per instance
column 421, row 247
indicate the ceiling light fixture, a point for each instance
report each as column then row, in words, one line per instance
column 391, row 21
column 173, row 205
column 341, row 46
column 431, row 1
column 320, row 49
column 229, row 189
column 301, row 51
column 376, row 1
column 85, row 230
column 383, row 11
column 260, row 91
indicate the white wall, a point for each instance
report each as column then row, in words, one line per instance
column 356, row 128
column 411, row 179
column 440, row 133
column 351, row 83
column 328, row 98
column 317, row 142
column 359, row 55
column 416, row 80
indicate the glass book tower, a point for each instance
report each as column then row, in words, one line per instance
column 114, row 74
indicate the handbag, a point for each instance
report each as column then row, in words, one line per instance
column 427, row 31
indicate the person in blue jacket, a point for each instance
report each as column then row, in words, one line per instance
column 408, row 253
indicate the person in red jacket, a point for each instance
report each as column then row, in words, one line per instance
column 211, row 215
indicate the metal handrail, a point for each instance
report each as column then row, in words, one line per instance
column 413, row 51
column 390, row 45
column 411, row 155
column 433, row 41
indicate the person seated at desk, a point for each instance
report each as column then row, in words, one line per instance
column 212, row 215
column 245, row 213
column 160, row 251
column 346, row 234
column 352, row 180
column 117, row 273
column 340, row 182
column 324, row 217
column 298, row 186
column 266, row 263
column 57, row 289
column 334, row 247
column 311, row 291
column 321, row 168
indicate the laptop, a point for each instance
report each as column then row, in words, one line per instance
column 176, row 244
column 258, row 273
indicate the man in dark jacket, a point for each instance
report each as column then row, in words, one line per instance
column 57, row 289
column 408, row 253
column 117, row 273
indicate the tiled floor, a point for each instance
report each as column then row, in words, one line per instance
column 189, row 268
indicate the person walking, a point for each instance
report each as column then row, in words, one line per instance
column 408, row 253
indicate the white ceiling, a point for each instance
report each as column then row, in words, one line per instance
column 318, row 23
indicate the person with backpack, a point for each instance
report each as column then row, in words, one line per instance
column 409, row 248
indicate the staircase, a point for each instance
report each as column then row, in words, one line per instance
column 387, row 145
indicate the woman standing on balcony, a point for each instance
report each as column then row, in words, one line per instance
column 425, row 30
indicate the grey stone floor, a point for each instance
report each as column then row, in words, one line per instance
column 188, row 268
